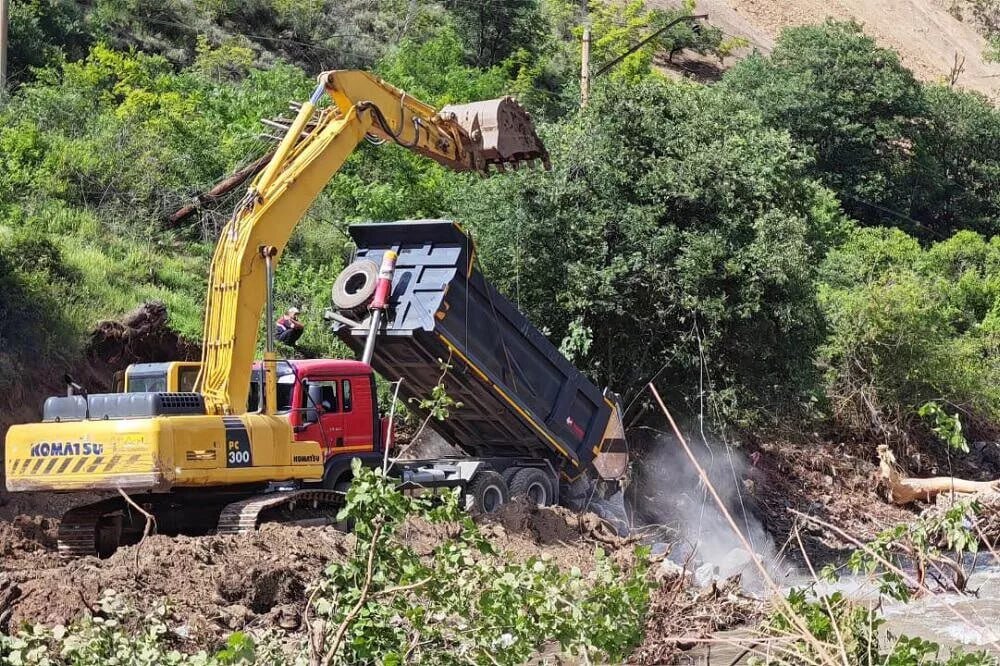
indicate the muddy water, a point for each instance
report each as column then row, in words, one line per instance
column 970, row 621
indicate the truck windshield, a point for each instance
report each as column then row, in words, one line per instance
column 286, row 384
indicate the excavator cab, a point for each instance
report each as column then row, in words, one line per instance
column 173, row 376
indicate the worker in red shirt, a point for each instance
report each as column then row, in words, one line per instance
column 288, row 328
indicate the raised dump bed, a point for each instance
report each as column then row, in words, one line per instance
column 520, row 397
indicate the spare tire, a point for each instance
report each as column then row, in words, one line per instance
column 355, row 286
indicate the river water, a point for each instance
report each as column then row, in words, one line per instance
column 969, row 621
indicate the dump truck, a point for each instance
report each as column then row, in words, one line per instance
column 255, row 440
column 524, row 406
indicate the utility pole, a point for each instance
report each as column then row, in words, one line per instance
column 3, row 45
column 584, row 68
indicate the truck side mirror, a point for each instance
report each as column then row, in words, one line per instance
column 314, row 394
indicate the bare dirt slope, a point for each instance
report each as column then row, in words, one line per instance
column 924, row 32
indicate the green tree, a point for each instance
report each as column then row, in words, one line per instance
column 852, row 103
column 41, row 33
column 909, row 325
column 956, row 180
column 676, row 233
column 494, row 29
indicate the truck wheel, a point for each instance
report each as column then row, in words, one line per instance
column 355, row 286
column 534, row 484
column 486, row 493
column 508, row 474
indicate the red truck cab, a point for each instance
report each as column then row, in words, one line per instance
column 330, row 401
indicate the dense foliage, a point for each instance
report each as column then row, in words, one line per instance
column 909, row 324
column 700, row 234
column 700, row 241
column 898, row 153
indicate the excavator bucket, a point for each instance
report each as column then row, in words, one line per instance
column 502, row 133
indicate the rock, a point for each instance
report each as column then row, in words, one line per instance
column 288, row 618
column 669, row 569
column 706, row 574
column 736, row 561
column 659, row 549
column 236, row 616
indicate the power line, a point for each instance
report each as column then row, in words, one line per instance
column 648, row 39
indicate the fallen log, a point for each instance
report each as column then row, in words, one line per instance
column 220, row 189
column 904, row 490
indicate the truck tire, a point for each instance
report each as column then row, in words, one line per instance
column 486, row 493
column 533, row 484
column 355, row 287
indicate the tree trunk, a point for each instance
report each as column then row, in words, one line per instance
column 904, row 490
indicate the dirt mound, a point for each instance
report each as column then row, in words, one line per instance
column 216, row 584
column 570, row 538
column 25, row 536
column 212, row 584
column 833, row 481
column 141, row 336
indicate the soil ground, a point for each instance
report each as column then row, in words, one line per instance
column 937, row 39
column 217, row 584
column 213, row 585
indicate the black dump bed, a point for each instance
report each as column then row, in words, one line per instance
column 519, row 395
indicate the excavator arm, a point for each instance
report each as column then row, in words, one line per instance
column 471, row 137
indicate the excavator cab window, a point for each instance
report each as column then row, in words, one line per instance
column 152, row 384
column 186, row 378
column 286, row 390
column 119, row 381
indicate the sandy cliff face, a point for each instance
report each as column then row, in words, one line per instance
column 932, row 41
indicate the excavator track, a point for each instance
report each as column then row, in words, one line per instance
column 244, row 516
column 77, row 535
column 97, row 528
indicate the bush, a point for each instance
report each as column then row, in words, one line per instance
column 462, row 604
column 909, row 325
column 34, row 281
column 118, row 634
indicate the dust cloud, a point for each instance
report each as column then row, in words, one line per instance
column 667, row 491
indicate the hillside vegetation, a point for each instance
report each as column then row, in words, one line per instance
column 810, row 239
column 804, row 252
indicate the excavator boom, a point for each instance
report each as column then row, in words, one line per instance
column 471, row 137
column 173, row 450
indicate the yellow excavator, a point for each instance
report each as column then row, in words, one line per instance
column 214, row 457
